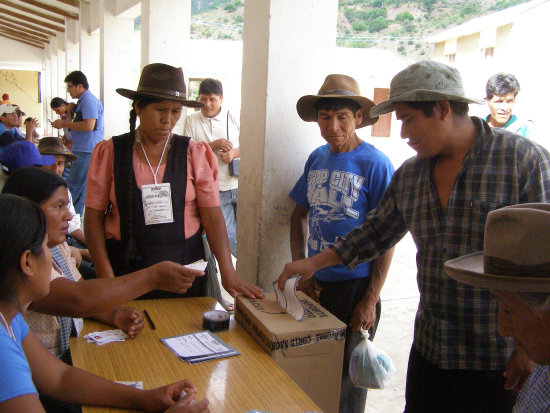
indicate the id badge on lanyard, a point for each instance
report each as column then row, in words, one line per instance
column 157, row 203
column 156, row 198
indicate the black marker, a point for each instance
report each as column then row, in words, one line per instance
column 149, row 319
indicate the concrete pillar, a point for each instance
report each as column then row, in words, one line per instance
column 115, row 51
column 54, row 70
column 72, row 43
column 165, row 28
column 89, row 43
column 165, row 33
column 47, row 90
column 288, row 49
column 59, row 42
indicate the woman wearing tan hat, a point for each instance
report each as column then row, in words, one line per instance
column 152, row 194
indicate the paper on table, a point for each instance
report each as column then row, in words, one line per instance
column 197, row 265
column 288, row 299
column 198, row 347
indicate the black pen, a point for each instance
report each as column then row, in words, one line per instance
column 149, row 319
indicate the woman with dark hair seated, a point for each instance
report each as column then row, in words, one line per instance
column 25, row 365
column 151, row 193
column 98, row 298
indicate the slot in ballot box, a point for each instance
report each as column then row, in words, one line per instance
column 310, row 351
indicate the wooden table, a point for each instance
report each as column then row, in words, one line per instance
column 238, row 384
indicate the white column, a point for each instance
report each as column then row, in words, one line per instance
column 115, row 71
column 89, row 43
column 72, row 40
column 54, row 84
column 59, row 42
column 288, row 47
column 165, row 32
column 47, row 90
column 165, row 28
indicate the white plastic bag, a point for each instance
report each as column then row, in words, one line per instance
column 369, row 367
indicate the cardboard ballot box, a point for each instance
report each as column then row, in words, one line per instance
column 310, row 351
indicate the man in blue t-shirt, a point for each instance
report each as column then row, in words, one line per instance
column 341, row 183
column 86, row 132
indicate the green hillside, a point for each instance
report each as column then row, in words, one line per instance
column 397, row 25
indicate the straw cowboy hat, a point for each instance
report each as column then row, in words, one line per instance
column 424, row 81
column 336, row 86
column 51, row 145
column 161, row 81
column 516, row 252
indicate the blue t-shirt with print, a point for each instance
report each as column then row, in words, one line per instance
column 338, row 190
column 87, row 107
column 15, row 373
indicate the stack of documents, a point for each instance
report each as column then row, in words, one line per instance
column 107, row 336
column 199, row 347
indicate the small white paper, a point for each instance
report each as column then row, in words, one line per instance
column 197, row 265
column 104, row 337
column 288, row 299
column 136, row 384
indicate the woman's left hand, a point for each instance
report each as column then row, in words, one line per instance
column 130, row 320
column 235, row 286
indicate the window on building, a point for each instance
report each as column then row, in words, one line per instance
column 488, row 52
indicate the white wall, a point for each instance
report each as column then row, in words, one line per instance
column 19, row 56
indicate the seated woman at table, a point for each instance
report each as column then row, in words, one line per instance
column 97, row 298
column 151, row 194
column 25, row 364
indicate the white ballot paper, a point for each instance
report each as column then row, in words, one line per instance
column 288, row 298
column 106, row 336
column 197, row 347
column 197, row 265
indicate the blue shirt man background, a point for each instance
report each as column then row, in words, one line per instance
column 86, row 131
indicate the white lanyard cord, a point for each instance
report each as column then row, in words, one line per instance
column 147, row 159
column 8, row 327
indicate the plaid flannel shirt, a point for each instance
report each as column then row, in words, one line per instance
column 535, row 393
column 456, row 324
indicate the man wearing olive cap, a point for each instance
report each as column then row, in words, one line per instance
column 342, row 181
column 463, row 169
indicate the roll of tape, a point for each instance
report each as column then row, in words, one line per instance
column 215, row 320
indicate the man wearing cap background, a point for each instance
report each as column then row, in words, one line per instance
column 21, row 154
column 11, row 119
column 342, row 181
column 86, row 132
column 462, row 171
column 515, row 266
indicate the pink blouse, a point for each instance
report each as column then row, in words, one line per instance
column 202, row 185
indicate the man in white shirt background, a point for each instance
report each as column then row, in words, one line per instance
column 219, row 127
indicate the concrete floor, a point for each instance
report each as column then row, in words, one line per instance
column 395, row 330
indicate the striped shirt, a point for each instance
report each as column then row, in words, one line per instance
column 456, row 324
column 535, row 394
